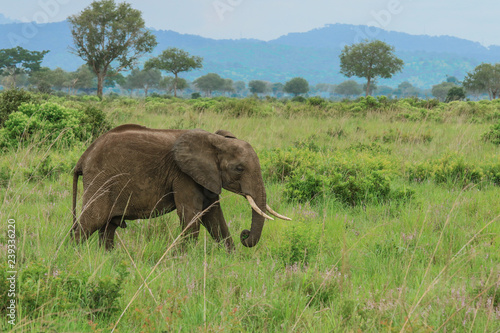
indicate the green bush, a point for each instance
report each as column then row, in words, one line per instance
column 52, row 166
column 453, row 169
column 246, row 107
column 48, row 122
column 10, row 100
column 278, row 164
column 317, row 101
column 298, row 243
column 41, row 287
column 299, row 99
column 202, row 105
column 395, row 135
column 493, row 135
column 350, row 176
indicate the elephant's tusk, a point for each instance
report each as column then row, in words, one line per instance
column 256, row 208
column 270, row 210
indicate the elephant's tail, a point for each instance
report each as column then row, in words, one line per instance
column 76, row 174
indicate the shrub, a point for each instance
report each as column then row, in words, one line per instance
column 400, row 137
column 246, row 107
column 451, row 169
column 49, row 121
column 10, row 100
column 41, row 286
column 317, row 101
column 351, row 177
column 278, row 164
column 96, row 120
column 52, row 166
column 299, row 99
column 493, row 135
column 201, row 105
column 298, row 243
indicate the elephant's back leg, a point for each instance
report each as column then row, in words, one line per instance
column 107, row 232
column 95, row 213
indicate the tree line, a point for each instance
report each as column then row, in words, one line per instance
column 111, row 39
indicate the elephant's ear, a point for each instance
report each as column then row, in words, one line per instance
column 196, row 156
column 226, row 134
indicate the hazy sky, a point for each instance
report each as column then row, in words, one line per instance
column 268, row 19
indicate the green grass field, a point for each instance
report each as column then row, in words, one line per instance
column 412, row 244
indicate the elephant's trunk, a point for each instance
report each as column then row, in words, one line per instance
column 250, row 238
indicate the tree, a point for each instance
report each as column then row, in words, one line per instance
column 323, row 87
column 83, row 78
column 175, row 61
column 371, row 89
column 385, row 91
column 167, row 84
column 257, row 86
column 239, row 86
column 348, row 88
column 277, row 88
column 452, row 79
column 109, row 36
column 369, row 60
column 145, row 79
column 208, row 83
column 455, row 94
column 228, row 86
column 18, row 60
column 485, row 78
column 440, row 91
column 45, row 77
column 113, row 78
column 296, row 86
column 406, row 89
column 142, row 79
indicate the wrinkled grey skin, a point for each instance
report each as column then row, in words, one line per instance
column 134, row 172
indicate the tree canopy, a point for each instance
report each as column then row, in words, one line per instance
column 257, row 86
column 175, row 61
column 110, row 36
column 209, row 83
column 18, row 60
column 369, row 59
column 348, row 88
column 296, row 86
column 142, row 79
column 485, row 78
column 440, row 91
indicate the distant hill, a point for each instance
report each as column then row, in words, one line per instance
column 312, row 55
column 6, row 20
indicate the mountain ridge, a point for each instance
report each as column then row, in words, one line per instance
column 312, row 55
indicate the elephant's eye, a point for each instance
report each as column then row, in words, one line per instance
column 239, row 168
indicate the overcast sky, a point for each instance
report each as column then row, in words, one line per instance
column 268, row 19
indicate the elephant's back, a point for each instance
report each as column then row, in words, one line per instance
column 130, row 144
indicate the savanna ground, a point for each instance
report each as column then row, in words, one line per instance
column 396, row 224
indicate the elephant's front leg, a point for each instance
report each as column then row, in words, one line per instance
column 213, row 220
column 188, row 197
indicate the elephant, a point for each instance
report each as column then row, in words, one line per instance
column 134, row 172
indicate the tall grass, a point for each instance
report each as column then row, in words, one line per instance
column 431, row 263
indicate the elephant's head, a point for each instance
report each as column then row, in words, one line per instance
column 220, row 160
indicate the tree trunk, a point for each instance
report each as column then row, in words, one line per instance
column 100, row 83
column 175, row 85
column 367, row 87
